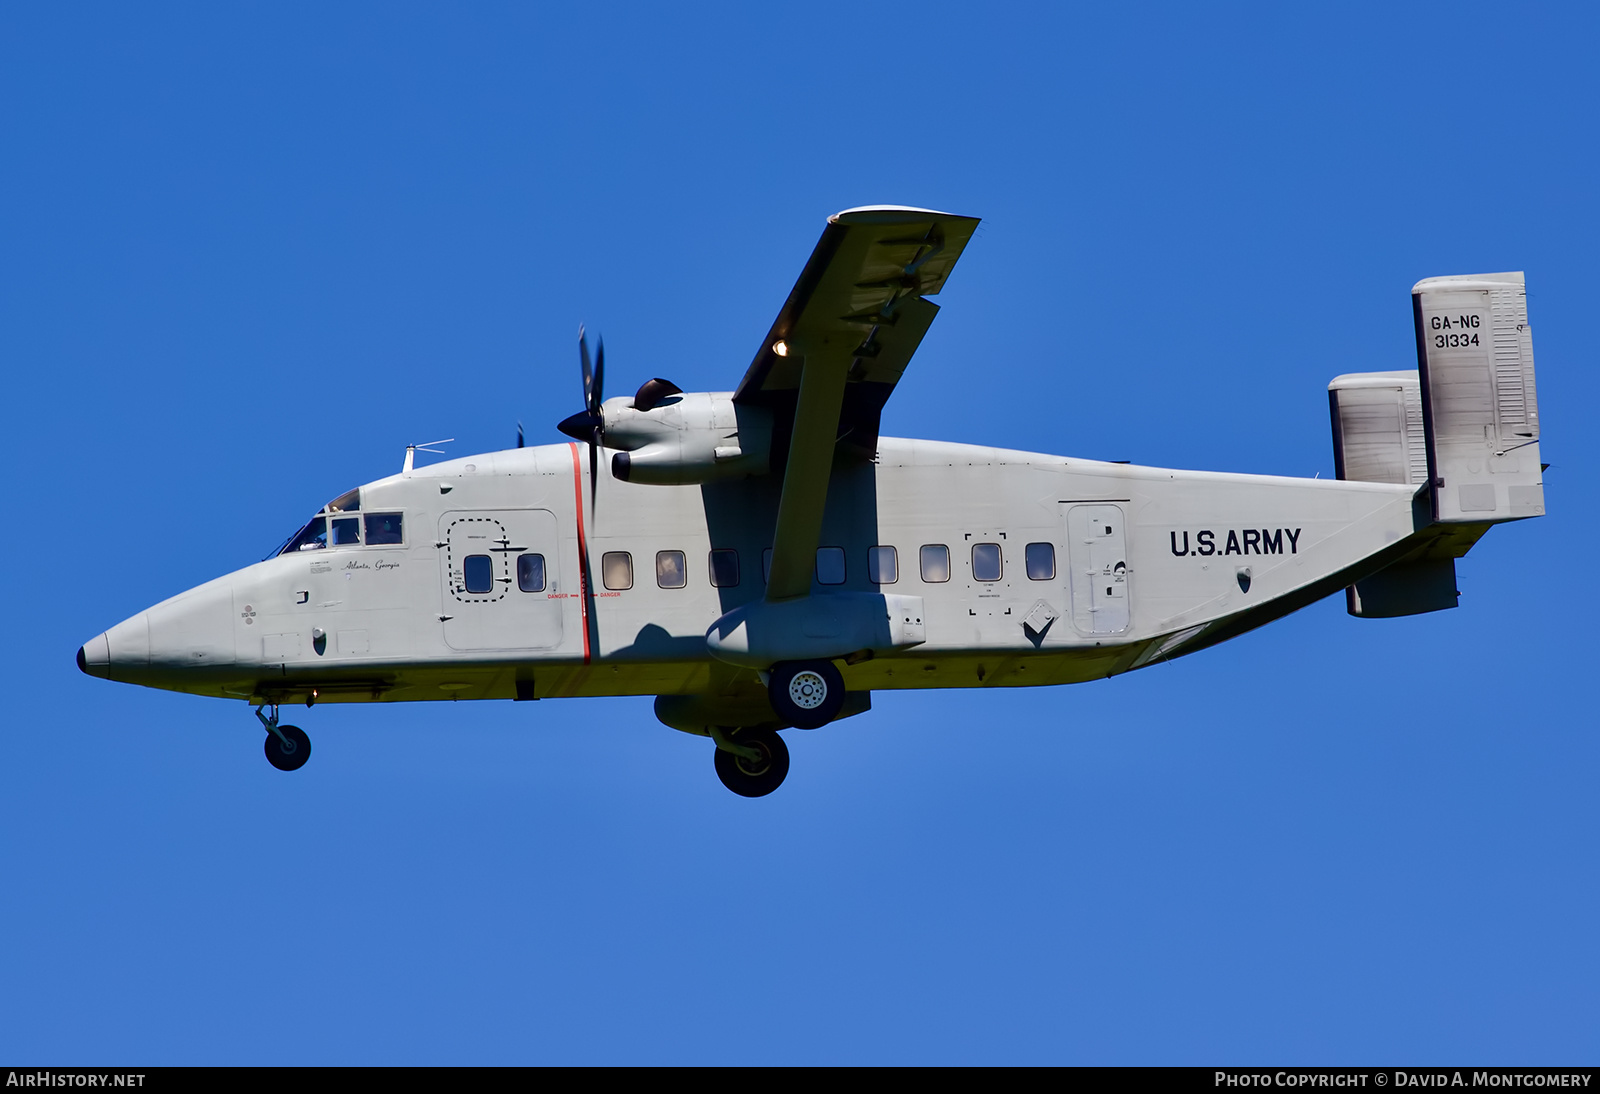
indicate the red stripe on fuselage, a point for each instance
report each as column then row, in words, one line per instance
column 583, row 551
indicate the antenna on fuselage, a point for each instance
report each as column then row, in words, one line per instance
column 413, row 449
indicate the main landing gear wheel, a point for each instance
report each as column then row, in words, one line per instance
column 759, row 777
column 806, row 694
column 290, row 757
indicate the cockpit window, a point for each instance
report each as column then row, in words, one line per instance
column 383, row 528
column 349, row 502
column 313, row 537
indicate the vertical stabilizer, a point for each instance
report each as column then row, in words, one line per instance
column 1475, row 357
column 1378, row 434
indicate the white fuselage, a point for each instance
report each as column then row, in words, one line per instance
column 1129, row 565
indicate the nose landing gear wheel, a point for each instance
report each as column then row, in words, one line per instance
column 754, row 778
column 293, row 757
column 806, row 694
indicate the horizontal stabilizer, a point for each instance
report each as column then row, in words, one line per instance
column 1406, row 588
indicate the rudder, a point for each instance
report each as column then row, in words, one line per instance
column 1479, row 408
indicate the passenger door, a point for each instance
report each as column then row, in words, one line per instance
column 1098, row 546
column 502, row 588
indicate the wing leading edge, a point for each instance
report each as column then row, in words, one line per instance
column 834, row 354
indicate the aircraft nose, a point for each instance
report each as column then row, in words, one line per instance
column 173, row 644
column 94, row 657
column 120, row 653
column 193, row 630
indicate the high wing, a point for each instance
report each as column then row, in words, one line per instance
column 836, row 351
column 858, row 308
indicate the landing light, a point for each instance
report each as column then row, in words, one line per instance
column 780, row 348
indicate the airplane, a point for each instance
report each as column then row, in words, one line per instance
column 763, row 560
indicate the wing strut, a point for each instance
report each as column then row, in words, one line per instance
column 834, row 354
column 805, row 481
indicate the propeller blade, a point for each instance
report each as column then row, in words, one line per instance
column 589, row 423
column 596, row 398
column 519, row 434
column 594, row 474
column 588, row 372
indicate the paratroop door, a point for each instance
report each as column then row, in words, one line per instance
column 501, row 585
column 1098, row 544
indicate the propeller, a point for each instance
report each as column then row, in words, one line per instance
column 589, row 424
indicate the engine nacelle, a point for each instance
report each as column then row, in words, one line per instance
column 687, row 438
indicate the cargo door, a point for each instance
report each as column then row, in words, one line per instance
column 502, row 588
column 1098, row 545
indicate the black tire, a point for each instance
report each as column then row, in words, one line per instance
column 288, row 759
column 754, row 778
column 806, row 694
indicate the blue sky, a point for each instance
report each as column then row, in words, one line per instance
column 247, row 254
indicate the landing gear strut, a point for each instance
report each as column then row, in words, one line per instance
column 750, row 762
column 287, row 747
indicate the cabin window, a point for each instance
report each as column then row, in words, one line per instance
column 477, row 574
column 830, row 565
column 530, row 573
column 883, row 567
column 671, row 573
column 724, row 567
column 616, row 570
column 1041, row 559
column 383, row 528
column 346, row 530
column 986, row 562
column 935, row 561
